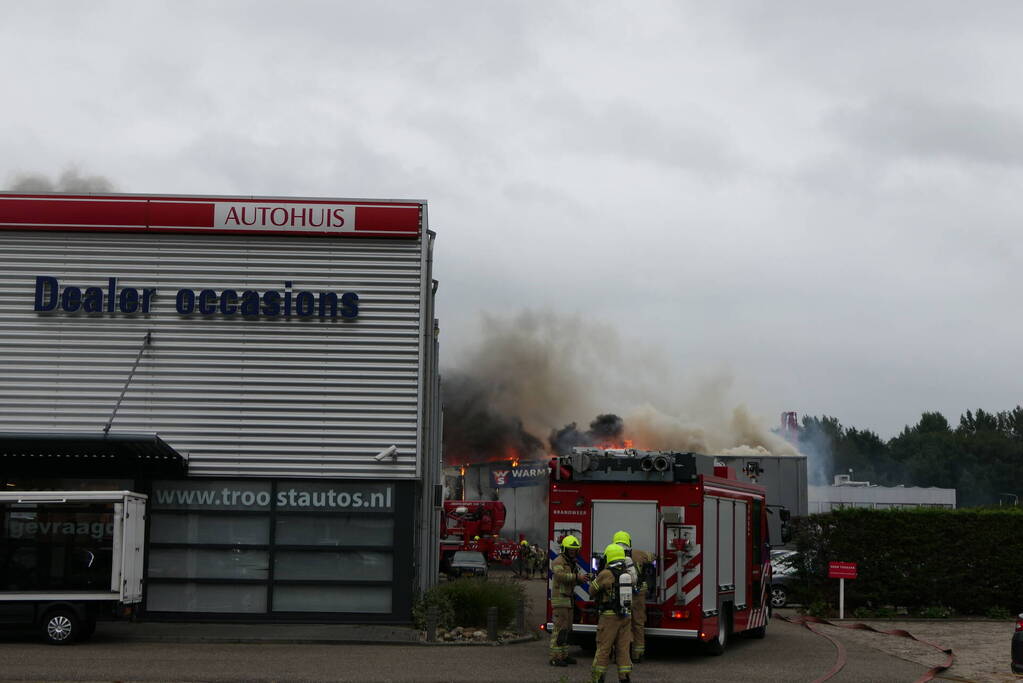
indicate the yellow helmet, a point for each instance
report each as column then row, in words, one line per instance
column 570, row 542
column 614, row 552
column 623, row 538
column 523, row 542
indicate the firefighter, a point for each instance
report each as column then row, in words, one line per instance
column 522, row 561
column 538, row 560
column 639, row 563
column 614, row 630
column 566, row 574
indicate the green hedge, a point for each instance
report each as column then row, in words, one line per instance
column 464, row 602
column 967, row 560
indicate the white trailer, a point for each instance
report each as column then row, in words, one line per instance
column 69, row 559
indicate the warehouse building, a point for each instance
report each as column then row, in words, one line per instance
column 265, row 369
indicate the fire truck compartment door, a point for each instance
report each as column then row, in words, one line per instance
column 741, row 539
column 709, row 585
column 638, row 517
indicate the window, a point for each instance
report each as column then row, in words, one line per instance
column 265, row 547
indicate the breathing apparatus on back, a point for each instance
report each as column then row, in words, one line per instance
column 621, row 594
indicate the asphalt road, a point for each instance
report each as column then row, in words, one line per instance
column 789, row 653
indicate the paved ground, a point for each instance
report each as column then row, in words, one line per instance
column 789, row 653
column 981, row 648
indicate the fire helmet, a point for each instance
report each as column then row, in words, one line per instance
column 570, row 543
column 623, row 537
column 523, row 542
column 475, row 538
column 614, row 552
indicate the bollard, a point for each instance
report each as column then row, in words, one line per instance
column 491, row 623
column 431, row 624
column 520, row 617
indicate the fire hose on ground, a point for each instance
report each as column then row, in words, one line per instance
column 840, row 659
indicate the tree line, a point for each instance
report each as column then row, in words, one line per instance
column 981, row 457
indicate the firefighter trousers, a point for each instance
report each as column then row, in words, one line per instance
column 562, row 618
column 638, row 624
column 613, row 633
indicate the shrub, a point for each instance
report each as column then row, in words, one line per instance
column 434, row 598
column 464, row 602
column 936, row 612
column 903, row 557
column 886, row 612
column 863, row 613
column 820, row 609
column 998, row 613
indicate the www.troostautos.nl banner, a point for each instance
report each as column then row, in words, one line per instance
column 526, row 474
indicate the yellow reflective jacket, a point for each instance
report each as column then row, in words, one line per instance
column 566, row 574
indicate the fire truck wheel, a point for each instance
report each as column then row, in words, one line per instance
column 716, row 647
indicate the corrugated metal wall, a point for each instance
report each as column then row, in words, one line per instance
column 259, row 397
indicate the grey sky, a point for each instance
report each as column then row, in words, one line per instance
column 819, row 200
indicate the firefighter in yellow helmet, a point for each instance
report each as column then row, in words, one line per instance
column 638, row 562
column 614, row 623
column 565, row 574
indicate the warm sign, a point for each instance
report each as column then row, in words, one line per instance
column 527, row 474
column 841, row 570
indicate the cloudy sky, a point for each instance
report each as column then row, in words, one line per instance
column 816, row 200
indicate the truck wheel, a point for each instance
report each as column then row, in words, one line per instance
column 716, row 647
column 779, row 596
column 61, row 626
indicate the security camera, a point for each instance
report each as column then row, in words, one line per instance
column 389, row 452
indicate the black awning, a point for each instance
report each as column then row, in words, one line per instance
column 82, row 454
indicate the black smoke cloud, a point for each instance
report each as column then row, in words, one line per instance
column 606, row 428
column 475, row 431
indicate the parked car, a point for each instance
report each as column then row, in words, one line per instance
column 1017, row 646
column 783, row 576
column 467, row 563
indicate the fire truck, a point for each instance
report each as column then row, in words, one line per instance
column 707, row 530
column 474, row 525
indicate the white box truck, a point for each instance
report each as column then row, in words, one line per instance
column 69, row 559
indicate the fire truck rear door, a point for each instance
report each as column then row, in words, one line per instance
column 638, row 517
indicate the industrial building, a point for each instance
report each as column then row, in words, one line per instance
column 263, row 368
column 862, row 494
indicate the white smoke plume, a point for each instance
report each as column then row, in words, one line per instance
column 71, row 180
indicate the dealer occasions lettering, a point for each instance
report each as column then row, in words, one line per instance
column 52, row 296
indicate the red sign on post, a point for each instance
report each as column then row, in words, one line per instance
column 841, row 570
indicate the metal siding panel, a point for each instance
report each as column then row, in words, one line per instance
column 261, row 397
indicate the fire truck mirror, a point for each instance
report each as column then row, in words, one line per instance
column 784, row 514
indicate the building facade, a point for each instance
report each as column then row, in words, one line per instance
column 863, row 494
column 282, row 350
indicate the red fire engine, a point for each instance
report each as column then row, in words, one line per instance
column 474, row 525
column 706, row 529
